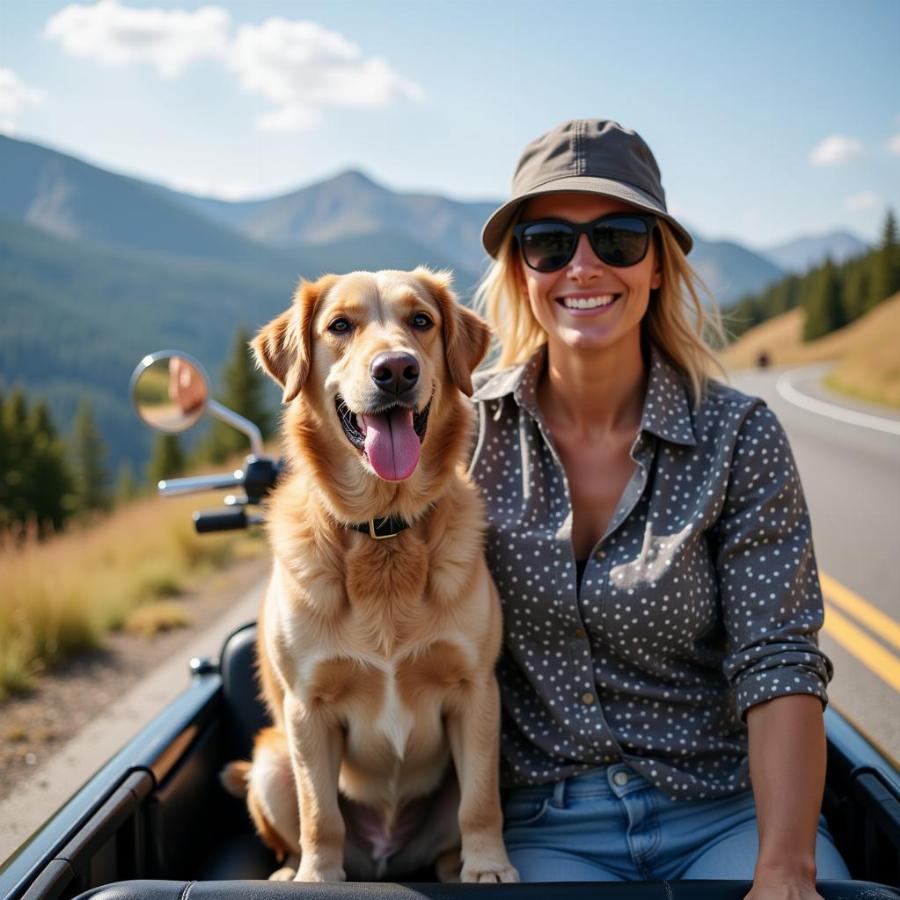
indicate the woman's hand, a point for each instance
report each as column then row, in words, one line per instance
column 186, row 387
column 773, row 885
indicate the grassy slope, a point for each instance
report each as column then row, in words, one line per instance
column 868, row 363
column 61, row 596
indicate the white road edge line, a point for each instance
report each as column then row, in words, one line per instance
column 787, row 390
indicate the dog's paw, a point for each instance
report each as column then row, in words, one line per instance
column 316, row 871
column 285, row 873
column 489, row 870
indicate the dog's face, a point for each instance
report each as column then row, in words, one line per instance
column 375, row 354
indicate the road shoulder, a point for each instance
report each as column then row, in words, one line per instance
column 118, row 691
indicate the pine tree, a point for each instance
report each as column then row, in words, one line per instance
column 244, row 392
column 88, row 453
column 824, row 307
column 167, row 460
column 35, row 479
column 857, row 280
column 127, row 487
column 49, row 481
column 14, row 417
column 885, row 280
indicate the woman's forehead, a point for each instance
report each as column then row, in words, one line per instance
column 573, row 205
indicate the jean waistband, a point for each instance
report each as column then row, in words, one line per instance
column 615, row 780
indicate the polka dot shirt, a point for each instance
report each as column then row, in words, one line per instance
column 700, row 600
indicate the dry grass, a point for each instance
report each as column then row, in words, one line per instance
column 866, row 351
column 164, row 615
column 61, row 596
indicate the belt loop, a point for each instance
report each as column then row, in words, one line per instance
column 559, row 794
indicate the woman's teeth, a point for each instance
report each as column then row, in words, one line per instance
column 588, row 302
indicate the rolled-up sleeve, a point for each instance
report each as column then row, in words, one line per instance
column 768, row 581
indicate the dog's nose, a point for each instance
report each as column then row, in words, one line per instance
column 395, row 372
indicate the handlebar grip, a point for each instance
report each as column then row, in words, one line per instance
column 220, row 520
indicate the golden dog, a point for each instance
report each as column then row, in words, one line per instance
column 377, row 652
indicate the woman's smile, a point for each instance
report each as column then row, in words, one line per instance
column 588, row 303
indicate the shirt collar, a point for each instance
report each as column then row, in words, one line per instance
column 667, row 405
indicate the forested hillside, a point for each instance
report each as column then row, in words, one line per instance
column 77, row 317
column 831, row 295
column 97, row 269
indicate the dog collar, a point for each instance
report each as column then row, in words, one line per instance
column 381, row 528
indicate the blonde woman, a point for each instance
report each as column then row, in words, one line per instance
column 651, row 544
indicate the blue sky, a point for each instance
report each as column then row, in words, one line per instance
column 769, row 119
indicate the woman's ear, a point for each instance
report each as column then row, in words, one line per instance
column 284, row 347
column 466, row 335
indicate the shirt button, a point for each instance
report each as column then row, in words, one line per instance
column 587, row 698
column 601, row 554
column 579, row 633
column 620, row 779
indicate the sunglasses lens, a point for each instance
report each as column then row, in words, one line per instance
column 621, row 241
column 547, row 245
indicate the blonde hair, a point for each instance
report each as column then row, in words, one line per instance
column 677, row 322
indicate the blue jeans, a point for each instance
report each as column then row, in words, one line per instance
column 610, row 824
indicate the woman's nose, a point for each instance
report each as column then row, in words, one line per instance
column 585, row 261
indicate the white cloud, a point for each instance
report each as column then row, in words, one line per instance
column 15, row 96
column 302, row 68
column 299, row 67
column 836, row 149
column 118, row 35
column 893, row 145
column 865, row 200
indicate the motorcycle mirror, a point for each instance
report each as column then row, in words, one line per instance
column 169, row 391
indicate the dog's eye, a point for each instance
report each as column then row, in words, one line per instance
column 421, row 322
column 340, row 326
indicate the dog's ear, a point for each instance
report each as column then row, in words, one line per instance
column 466, row 335
column 284, row 347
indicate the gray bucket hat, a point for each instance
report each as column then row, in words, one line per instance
column 591, row 156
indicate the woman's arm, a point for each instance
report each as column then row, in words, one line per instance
column 787, row 770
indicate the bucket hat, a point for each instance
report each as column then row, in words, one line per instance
column 591, row 156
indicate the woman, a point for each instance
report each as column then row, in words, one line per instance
column 650, row 541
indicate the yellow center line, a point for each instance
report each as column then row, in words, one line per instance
column 868, row 651
column 880, row 623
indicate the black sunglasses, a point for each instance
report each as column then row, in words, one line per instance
column 618, row 239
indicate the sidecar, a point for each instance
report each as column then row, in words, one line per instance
column 155, row 823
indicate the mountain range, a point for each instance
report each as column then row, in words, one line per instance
column 97, row 268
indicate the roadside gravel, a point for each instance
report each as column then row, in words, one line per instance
column 53, row 740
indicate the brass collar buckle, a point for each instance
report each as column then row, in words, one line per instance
column 380, row 528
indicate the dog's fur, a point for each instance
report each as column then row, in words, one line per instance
column 376, row 656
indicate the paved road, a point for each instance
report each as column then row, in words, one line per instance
column 851, row 477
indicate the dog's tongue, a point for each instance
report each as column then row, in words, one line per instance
column 392, row 445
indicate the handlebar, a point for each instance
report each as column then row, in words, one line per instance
column 224, row 520
column 257, row 478
column 176, row 487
